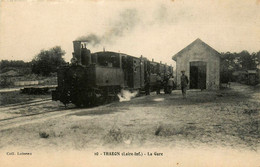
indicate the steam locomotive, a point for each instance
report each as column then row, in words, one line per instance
column 95, row 78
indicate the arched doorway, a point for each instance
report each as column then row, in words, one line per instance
column 198, row 71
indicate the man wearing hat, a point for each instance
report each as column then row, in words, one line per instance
column 184, row 83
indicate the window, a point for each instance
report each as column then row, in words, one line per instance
column 108, row 59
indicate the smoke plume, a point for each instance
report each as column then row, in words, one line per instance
column 91, row 39
column 125, row 23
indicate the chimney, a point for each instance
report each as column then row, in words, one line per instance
column 77, row 50
column 104, row 49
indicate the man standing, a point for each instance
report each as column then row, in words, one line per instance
column 158, row 83
column 170, row 84
column 184, row 83
column 147, row 84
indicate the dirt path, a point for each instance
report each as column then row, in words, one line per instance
column 220, row 128
column 227, row 118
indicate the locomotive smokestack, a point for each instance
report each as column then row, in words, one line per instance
column 77, row 50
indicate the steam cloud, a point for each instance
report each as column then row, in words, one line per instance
column 126, row 22
column 126, row 95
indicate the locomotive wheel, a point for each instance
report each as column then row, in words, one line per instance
column 78, row 104
column 78, row 98
column 148, row 90
column 65, row 97
column 116, row 98
column 101, row 100
column 98, row 97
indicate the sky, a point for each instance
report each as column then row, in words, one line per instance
column 156, row 29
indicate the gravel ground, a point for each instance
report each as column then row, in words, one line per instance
column 207, row 120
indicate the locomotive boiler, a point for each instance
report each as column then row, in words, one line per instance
column 95, row 78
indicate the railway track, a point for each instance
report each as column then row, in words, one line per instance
column 17, row 121
column 42, row 109
column 16, row 114
column 24, row 104
column 28, row 119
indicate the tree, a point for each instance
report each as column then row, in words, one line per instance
column 247, row 61
column 47, row 61
column 17, row 65
column 229, row 64
column 234, row 62
column 256, row 57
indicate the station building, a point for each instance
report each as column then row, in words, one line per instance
column 201, row 64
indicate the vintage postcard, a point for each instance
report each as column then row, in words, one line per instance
column 92, row 83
